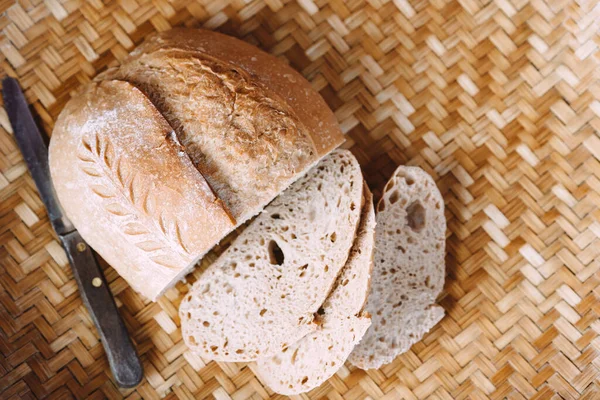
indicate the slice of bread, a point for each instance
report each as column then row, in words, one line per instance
column 309, row 362
column 409, row 268
column 262, row 293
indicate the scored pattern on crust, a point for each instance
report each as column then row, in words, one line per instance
column 139, row 216
column 253, row 127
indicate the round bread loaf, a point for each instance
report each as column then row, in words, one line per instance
column 163, row 156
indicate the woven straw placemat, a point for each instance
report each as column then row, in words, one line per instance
column 499, row 100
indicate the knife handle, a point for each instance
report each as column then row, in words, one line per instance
column 124, row 362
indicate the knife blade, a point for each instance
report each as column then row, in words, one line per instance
column 123, row 359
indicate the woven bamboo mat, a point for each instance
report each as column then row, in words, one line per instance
column 498, row 99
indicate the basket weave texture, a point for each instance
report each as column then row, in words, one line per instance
column 499, row 100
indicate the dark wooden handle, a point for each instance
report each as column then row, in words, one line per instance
column 124, row 362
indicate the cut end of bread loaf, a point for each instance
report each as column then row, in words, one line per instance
column 262, row 293
column 409, row 268
column 312, row 360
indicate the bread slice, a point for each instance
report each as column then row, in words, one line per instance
column 125, row 181
column 262, row 293
column 312, row 360
column 250, row 122
column 409, row 268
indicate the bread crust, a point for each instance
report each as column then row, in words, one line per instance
column 250, row 123
column 128, row 186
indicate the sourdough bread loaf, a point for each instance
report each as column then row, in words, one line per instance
column 245, row 121
column 262, row 293
column 312, row 360
column 130, row 188
column 409, row 268
column 251, row 124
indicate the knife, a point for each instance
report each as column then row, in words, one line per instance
column 124, row 362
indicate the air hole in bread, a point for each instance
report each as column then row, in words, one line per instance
column 402, row 249
column 263, row 311
column 294, row 356
column 333, row 237
column 294, row 237
column 239, row 351
column 206, row 324
column 326, row 268
column 398, row 304
column 352, row 206
column 276, row 216
column 438, row 206
column 410, row 180
column 345, row 282
column 192, row 340
column 381, row 206
column 410, row 240
column 305, row 379
column 237, row 275
column 389, row 186
column 427, row 281
column 416, row 216
column 394, row 197
column 276, row 256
